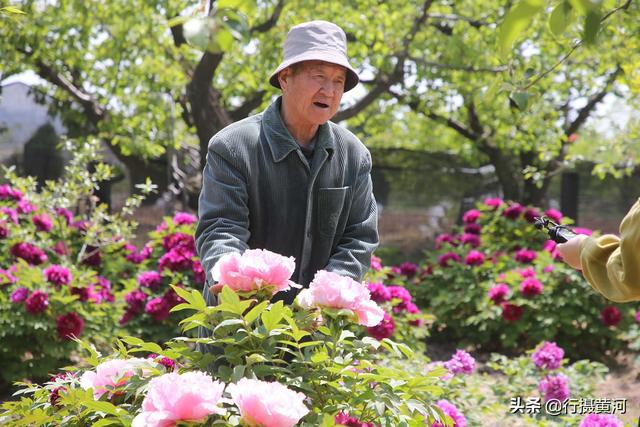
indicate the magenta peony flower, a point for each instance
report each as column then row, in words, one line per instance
column 513, row 211
column 24, row 207
column 525, row 255
column 61, row 249
column 379, row 292
column 445, row 238
column 530, row 214
column 527, row 272
column 471, row 216
column 343, row 419
column 110, row 374
column 57, row 275
column 408, row 269
column 444, row 259
column 472, row 228
column 92, row 257
column 498, row 293
column 384, row 329
column 332, row 290
column 10, row 213
column 42, row 222
column 19, row 295
column 150, row 279
column 172, row 298
column 638, row 316
column 547, row 356
column 157, row 308
column 28, row 252
column 65, row 213
column 610, row 315
column 4, row 230
column 376, row 263
column 253, row 270
column 461, row 363
column 474, row 258
column 69, row 325
column 450, row 410
column 582, row 230
column 530, row 287
column 554, row 387
column 171, row 398
column 554, row 215
column 179, row 258
column 179, row 239
column 601, row 420
column 267, row 404
column 37, row 302
column 54, row 397
column 184, row 218
column 9, row 193
column 132, row 254
column 494, row 203
column 511, row 312
column 472, row 240
column 549, row 246
column 549, row 268
column 168, row 363
column 136, row 300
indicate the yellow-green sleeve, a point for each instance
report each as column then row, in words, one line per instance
column 611, row 264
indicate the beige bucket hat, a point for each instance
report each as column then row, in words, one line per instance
column 320, row 41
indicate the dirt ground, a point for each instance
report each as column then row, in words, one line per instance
column 623, row 381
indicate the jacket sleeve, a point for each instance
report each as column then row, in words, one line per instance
column 352, row 256
column 223, row 224
column 611, row 264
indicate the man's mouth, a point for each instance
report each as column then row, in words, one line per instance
column 321, row 105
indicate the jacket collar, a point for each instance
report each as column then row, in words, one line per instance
column 280, row 141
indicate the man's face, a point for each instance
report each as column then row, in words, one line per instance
column 313, row 91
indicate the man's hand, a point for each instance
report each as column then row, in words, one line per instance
column 570, row 251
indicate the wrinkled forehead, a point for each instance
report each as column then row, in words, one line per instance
column 324, row 66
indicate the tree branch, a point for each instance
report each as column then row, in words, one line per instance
column 271, row 22
column 476, row 23
column 250, row 103
column 468, row 68
column 383, row 82
column 594, row 100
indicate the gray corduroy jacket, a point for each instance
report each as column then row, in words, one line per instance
column 259, row 191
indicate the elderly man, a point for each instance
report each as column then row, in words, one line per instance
column 288, row 180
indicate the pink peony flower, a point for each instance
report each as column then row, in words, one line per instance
column 25, row 207
column 474, row 258
column 253, row 270
column 498, row 293
column 601, row 420
column 110, row 374
column 69, row 325
column 445, row 238
column 332, row 290
column 638, row 316
column 549, row 268
column 610, row 315
column 471, row 216
column 9, row 193
column 444, row 259
column 384, row 329
column 513, row 211
column 376, row 263
column 530, row 287
column 42, row 222
column 525, row 256
column 582, row 230
column 184, row 218
column 511, row 312
column 173, row 397
column 10, row 213
column 66, row 214
column 6, row 276
column 554, row 387
column 530, row 214
column 461, row 363
column 527, row 272
column 37, row 302
column 267, row 404
column 57, row 275
column 554, row 215
column 494, row 203
column 547, row 356
column 150, row 279
column 451, row 411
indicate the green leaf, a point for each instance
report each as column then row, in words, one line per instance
column 560, row 18
column 229, row 322
column 253, row 314
column 106, row 422
column 102, row 406
column 12, row 9
column 517, row 20
column 521, row 99
column 271, row 319
column 591, row 26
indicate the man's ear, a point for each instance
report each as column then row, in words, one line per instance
column 283, row 76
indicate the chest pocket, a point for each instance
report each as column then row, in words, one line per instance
column 332, row 210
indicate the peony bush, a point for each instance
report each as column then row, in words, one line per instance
column 265, row 364
column 497, row 282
